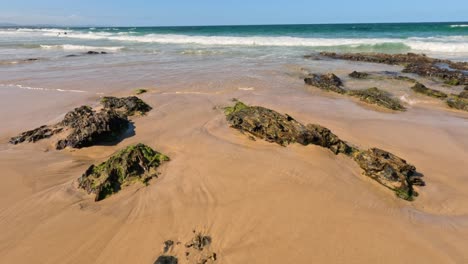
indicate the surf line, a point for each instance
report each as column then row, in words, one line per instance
column 39, row 88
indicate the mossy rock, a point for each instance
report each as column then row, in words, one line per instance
column 136, row 163
column 458, row 103
column 140, row 91
column 378, row 97
column 420, row 88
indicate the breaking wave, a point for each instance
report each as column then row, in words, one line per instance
column 80, row 47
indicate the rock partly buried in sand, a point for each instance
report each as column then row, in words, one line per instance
column 384, row 167
column 390, row 171
column 458, row 103
column 89, row 127
column 137, row 163
column 282, row 129
column 35, row 134
column 420, row 88
column 166, row 260
column 378, row 97
column 464, row 93
column 84, row 127
column 196, row 251
column 127, row 105
column 453, row 73
column 329, row 82
column 359, row 75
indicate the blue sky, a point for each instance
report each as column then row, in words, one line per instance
column 211, row 12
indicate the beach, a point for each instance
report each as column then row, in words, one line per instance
column 258, row 201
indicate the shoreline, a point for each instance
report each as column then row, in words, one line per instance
column 257, row 200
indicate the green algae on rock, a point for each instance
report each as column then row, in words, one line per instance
column 458, row 103
column 384, row 167
column 378, row 97
column 328, row 82
column 420, row 88
column 127, row 105
column 358, row 75
column 136, row 163
column 140, row 91
column 282, row 129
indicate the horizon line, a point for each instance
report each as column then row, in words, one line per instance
column 9, row 24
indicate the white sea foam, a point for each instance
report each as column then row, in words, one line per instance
column 432, row 44
column 80, row 47
column 20, row 86
column 405, row 98
column 456, row 26
column 246, row 88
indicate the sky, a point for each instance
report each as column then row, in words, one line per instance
column 226, row 12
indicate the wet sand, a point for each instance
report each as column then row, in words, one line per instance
column 259, row 202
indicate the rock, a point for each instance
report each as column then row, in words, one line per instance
column 199, row 242
column 134, row 163
column 458, row 103
column 359, row 75
column 168, row 245
column 390, row 171
column 272, row 126
column 92, row 52
column 453, row 73
column 378, row 97
column 85, row 127
column 464, row 93
column 420, row 88
column 166, row 260
column 127, row 105
column 35, row 134
column 329, row 82
column 382, row 166
column 140, row 91
column 90, row 127
column 450, row 77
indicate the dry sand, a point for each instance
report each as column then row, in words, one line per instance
column 260, row 202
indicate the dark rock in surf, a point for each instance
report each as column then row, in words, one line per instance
column 329, row 82
column 422, row 89
column 378, row 97
column 359, row 75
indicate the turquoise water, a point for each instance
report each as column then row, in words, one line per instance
column 440, row 39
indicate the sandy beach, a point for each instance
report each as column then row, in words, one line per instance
column 259, row 202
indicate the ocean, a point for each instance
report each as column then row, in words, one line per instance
column 441, row 39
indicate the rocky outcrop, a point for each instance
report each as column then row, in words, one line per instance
column 89, row 127
column 449, row 76
column 127, row 105
column 272, row 126
column 420, row 88
column 452, row 73
column 92, row 52
column 329, row 82
column 136, row 163
column 85, row 127
column 359, row 75
column 384, row 167
column 389, row 170
column 378, row 97
column 36, row 134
